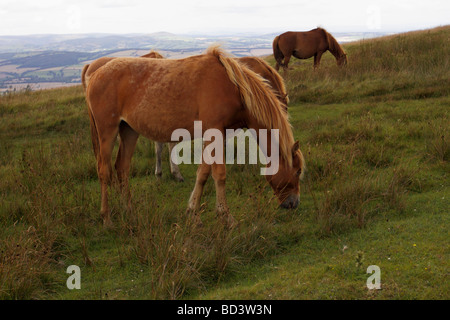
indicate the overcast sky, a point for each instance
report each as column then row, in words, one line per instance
column 19, row 17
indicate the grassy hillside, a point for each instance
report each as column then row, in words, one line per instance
column 375, row 136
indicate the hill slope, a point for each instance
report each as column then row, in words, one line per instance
column 376, row 141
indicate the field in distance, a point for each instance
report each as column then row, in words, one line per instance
column 48, row 61
column 375, row 137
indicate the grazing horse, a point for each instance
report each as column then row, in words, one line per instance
column 304, row 45
column 257, row 65
column 154, row 97
column 87, row 72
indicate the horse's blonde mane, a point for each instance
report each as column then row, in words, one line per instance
column 259, row 99
column 153, row 54
column 277, row 77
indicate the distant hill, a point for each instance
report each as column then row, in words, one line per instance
column 56, row 60
column 99, row 42
column 159, row 40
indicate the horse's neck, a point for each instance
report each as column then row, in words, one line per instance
column 283, row 138
column 336, row 53
column 335, row 50
column 259, row 129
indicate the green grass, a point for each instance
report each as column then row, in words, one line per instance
column 375, row 136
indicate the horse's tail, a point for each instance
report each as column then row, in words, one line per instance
column 83, row 77
column 94, row 134
column 260, row 100
column 278, row 55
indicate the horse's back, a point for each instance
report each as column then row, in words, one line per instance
column 303, row 44
column 287, row 41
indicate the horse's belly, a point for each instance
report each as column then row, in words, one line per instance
column 158, row 124
column 303, row 54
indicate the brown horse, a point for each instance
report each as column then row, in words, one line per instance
column 153, row 97
column 257, row 65
column 304, row 45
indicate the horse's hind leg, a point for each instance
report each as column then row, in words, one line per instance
column 287, row 58
column 128, row 139
column 158, row 150
column 107, row 137
column 174, row 169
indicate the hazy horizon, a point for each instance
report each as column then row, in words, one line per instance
column 218, row 33
column 202, row 17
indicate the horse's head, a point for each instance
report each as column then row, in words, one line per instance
column 153, row 54
column 342, row 60
column 285, row 182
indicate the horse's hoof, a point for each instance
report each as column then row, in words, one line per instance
column 106, row 216
column 178, row 178
column 228, row 221
column 107, row 223
column 194, row 218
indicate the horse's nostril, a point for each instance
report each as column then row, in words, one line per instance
column 291, row 202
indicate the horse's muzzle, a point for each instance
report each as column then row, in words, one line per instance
column 291, row 202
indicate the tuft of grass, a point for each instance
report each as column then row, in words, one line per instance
column 438, row 145
column 27, row 259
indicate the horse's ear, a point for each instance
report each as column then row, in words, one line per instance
column 295, row 147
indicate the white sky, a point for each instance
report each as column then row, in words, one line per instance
column 19, row 17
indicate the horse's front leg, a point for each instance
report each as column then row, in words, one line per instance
column 174, row 169
column 158, row 150
column 203, row 172
column 128, row 140
column 317, row 58
column 219, row 176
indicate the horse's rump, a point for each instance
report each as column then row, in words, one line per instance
column 89, row 69
column 277, row 53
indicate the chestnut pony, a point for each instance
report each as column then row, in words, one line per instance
column 153, row 97
column 257, row 65
column 304, row 45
